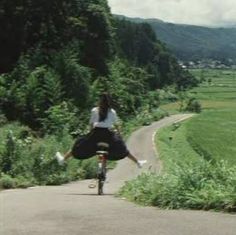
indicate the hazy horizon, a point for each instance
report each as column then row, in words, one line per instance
column 210, row 13
column 233, row 25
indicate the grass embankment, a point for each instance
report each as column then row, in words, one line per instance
column 198, row 155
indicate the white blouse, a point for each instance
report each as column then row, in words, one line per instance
column 110, row 120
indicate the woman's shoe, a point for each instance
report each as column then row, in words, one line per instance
column 60, row 158
column 140, row 163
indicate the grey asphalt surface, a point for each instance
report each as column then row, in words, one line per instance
column 75, row 209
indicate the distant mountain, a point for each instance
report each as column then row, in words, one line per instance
column 189, row 42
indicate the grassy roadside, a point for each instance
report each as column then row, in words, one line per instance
column 200, row 185
column 198, row 155
column 189, row 180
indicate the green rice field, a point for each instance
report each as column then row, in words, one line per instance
column 212, row 133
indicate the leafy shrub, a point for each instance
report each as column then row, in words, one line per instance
column 31, row 161
column 89, row 168
column 196, row 186
column 7, row 182
column 167, row 95
column 22, row 182
column 153, row 99
column 3, row 119
column 14, row 138
column 59, row 117
column 144, row 116
column 193, row 105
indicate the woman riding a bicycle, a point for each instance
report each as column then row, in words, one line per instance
column 103, row 119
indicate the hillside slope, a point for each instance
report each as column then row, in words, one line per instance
column 190, row 42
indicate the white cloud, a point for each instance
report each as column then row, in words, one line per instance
column 198, row 12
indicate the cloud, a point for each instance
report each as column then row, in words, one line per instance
column 202, row 12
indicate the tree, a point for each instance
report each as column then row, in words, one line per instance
column 97, row 39
column 75, row 78
column 12, row 33
column 26, row 24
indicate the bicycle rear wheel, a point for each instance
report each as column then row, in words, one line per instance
column 101, row 177
column 100, row 186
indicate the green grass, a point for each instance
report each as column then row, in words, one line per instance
column 222, row 85
column 220, row 93
column 195, row 185
column 198, row 155
column 193, row 176
column 169, row 140
column 212, row 133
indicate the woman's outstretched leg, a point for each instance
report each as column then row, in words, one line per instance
column 136, row 161
column 61, row 159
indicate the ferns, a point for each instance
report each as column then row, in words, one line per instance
column 52, row 88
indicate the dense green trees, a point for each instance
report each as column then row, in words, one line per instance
column 193, row 43
column 68, row 51
column 12, row 21
column 136, row 41
column 51, row 25
column 138, row 44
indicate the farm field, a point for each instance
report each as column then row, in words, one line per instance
column 210, row 134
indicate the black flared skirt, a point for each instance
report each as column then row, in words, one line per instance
column 86, row 146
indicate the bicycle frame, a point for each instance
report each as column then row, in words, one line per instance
column 102, row 165
column 101, row 173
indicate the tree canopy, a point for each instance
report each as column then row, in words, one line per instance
column 60, row 51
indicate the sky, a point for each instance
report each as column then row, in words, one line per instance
column 195, row 12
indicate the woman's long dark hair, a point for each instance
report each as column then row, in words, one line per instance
column 104, row 106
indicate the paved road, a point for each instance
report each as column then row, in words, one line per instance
column 74, row 209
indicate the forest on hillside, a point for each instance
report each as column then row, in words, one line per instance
column 193, row 43
column 56, row 57
column 60, row 51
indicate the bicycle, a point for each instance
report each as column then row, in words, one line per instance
column 102, row 154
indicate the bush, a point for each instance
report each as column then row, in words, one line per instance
column 14, row 138
column 193, row 105
column 7, row 182
column 22, row 182
column 195, row 186
column 3, row 119
column 59, row 117
column 144, row 116
column 31, row 161
column 89, row 168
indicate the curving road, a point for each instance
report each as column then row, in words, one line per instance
column 74, row 209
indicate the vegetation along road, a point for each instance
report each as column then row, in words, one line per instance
column 76, row 209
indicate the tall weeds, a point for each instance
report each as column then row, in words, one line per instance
column 204, row 185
